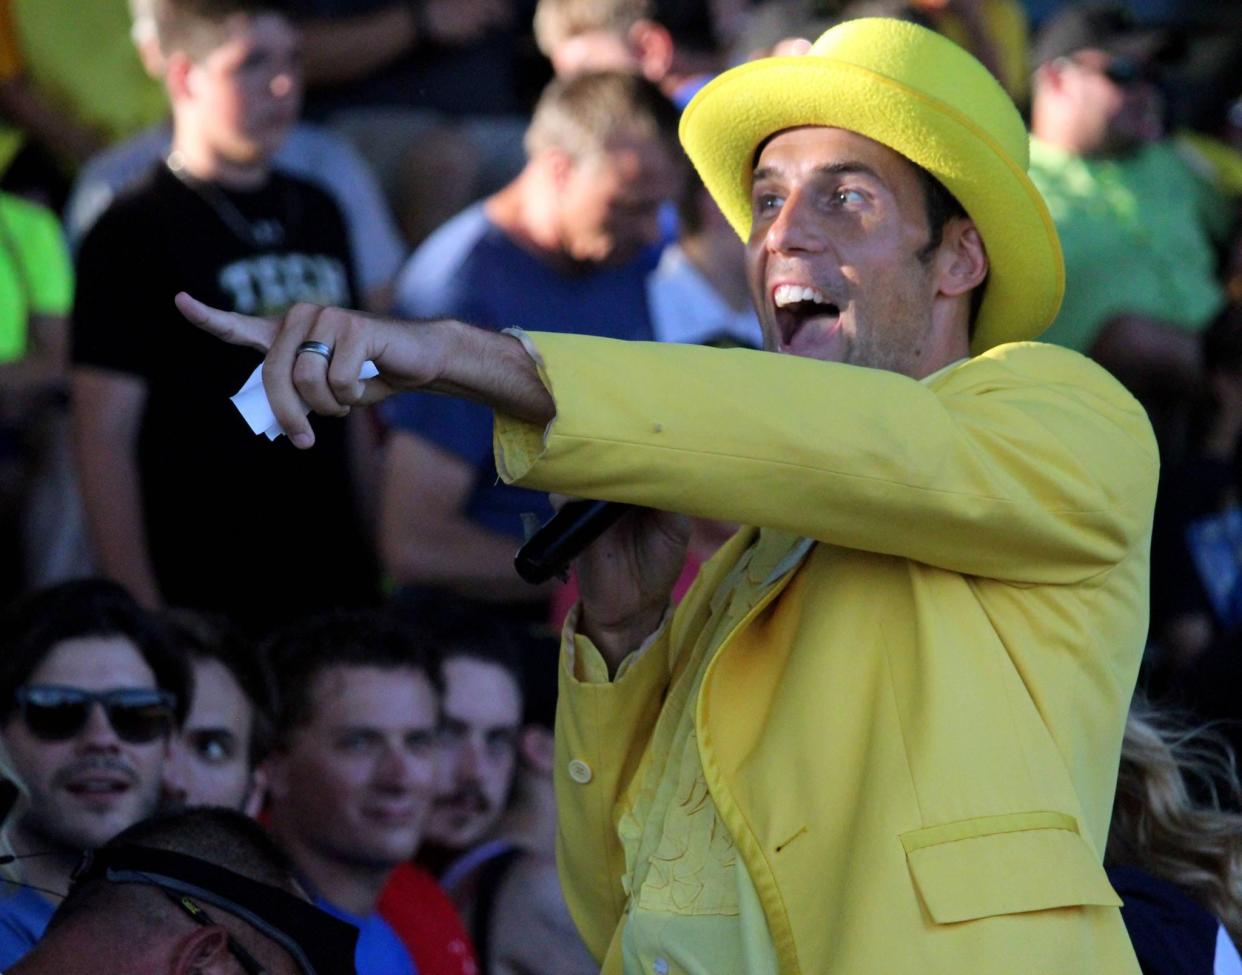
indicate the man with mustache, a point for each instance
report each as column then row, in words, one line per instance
column 881, row 732
column 91, row 691
column 481, row 716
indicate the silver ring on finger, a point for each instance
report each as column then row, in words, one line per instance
column 317, row 348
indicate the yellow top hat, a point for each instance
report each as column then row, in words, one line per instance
column 923, row 96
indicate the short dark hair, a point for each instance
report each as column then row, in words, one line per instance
column 35, row 624
column 224, row 837
column 221, row 858
column 941, row 206
column 296, row 655
column 208, row 636
column 198, row 27
column 689, row 202
column 467, row 629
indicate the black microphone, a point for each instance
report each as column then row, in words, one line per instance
column 560, row 539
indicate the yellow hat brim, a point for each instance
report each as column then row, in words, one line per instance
column 732, row 115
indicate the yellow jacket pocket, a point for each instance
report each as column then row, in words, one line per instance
column 1007, row 864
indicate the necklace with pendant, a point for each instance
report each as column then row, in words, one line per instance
column 260, row 234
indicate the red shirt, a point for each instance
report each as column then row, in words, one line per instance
column 427, row 923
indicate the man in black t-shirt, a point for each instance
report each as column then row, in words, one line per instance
column 178, row 491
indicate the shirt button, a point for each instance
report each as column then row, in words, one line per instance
column 580, row 771
column 659, row 967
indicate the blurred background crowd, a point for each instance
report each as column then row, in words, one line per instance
column 335, row 640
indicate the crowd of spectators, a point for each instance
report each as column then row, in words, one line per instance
column 382, row 698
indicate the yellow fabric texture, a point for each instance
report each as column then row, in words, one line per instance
column 694, row 907
column 81, row 56
column 920, row 94
column 958, row 649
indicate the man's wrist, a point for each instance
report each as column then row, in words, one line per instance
column 616, row 641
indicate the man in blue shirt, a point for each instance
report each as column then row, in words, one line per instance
column 91, row 691
column 352, row 773
column 565, row 247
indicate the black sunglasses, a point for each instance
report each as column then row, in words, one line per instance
column 138, row 715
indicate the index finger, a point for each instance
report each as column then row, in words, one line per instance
column 234, row 328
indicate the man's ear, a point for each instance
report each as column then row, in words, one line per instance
column 652, row 45
column 1051, row 74
column 256, row 796
column 272, row 773
column 204, row 951
column 559, row 164
column 178, row 72
column 536, row 748
column 961, row 260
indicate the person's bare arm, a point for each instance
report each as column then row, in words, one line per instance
column 107, row 411
column 436, row 356
column 426, row 538
column 1149, row 355
column 41, row 371
column 341, row 49
column 532, row 931
column 625, row 578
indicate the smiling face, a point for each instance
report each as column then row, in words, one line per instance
column 834, row 258
column 353, row 785
column 86, row 789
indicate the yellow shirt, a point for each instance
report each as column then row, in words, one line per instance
column 696, row 911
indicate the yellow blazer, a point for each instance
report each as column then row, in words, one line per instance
column 914, row 737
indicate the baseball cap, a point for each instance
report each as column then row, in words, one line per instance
column 1104, row 27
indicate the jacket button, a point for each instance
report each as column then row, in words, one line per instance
column 580, row 771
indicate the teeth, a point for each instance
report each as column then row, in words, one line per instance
column 791, row 294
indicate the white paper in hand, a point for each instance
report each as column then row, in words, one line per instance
column 252, row 402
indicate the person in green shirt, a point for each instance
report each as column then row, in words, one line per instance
column 1136, row 224
column 36, row 498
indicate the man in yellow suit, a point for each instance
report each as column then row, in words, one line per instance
column 881, row 733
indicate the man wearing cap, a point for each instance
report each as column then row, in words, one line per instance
column 203, row 892
column 1137, row 223
column 881, row 732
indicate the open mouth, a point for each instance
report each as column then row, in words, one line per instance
column 93, row 787
column 797, row 306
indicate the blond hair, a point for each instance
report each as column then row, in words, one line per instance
column 558, row 20
column 583, row 115
column 1160, row 827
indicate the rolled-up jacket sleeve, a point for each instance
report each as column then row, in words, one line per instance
column 1027, row 464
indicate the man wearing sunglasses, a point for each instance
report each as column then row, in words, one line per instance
column 90, row 694
column 1136, row 224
